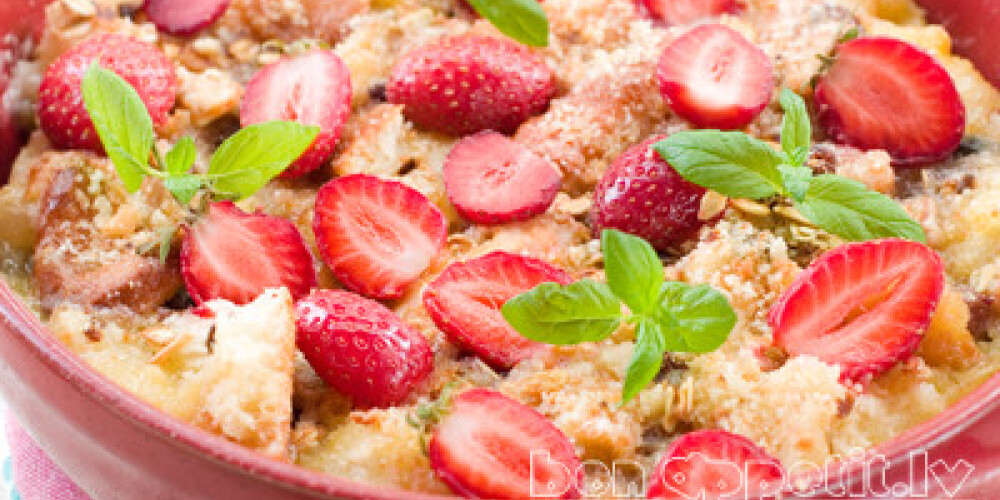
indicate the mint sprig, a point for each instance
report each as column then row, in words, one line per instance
column 741, row 166
column 669, row 316
column 522, row 20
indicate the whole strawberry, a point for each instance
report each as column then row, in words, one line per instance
column 642, row 194
column 361, row 348
column 61, row 112
column 466, row 84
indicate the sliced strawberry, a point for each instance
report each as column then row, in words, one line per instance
column 861, row 306
column 465, row 303
column 492, row 180
column 490, row 446
column 377, row 236
column 466, row 84
column 884, row 93
column 713, row 77
column 313, row 89
column 61, row 113
column 679, row 12
column 361, row 348
column 715, row 464
column 184, row 17
column 232, row 255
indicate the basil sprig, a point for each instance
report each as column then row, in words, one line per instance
column 669, row 316
column 522, row 20
column 740, row 166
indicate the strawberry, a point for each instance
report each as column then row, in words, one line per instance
column 313, row 89
column 466, row 84
column 184, row 17
column 642, row 194
column 492, row 180
column 61, row 112
column 861, row 306
column 232, row 255
column 884, row 93
column 361, row 348
column 714, row 464
column 491, row 446
column 714, row 77
column 377, row 236
column 679, row 12
column 465, row 303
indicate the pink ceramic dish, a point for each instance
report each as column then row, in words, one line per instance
column 117, row 447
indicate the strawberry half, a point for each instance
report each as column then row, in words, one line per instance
column 466, row 84
column 61, row 112
column 361, row 348
column 713, row 77
column 884, row 93
column 377, row 236
column 679, row 12
column 465, row 303
column 861, row 306
column 490, row 446
column 232, row 255
column 492, row 180
column 715, row 464
column 312, row 89
column 184, row 17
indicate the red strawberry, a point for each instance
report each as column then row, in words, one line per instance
column 677, row 12
column 861, row 306
column 713, row 464
column 60, row 99
column 884, row 93
column 313, row 89
column 184, row 17
column 466, row 84
column 377, row 236
column 714, row 77
column 465, row 303
column 492, row 180
column 232, row 255
column 361, row 348
column 642, row 194
column 490, row 446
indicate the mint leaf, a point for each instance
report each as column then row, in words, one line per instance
column 122, row 122
column 522, row 20
column 796, row 130
column 250, row 158
column 694, row 318
column 731, row 163
column 647, row 359
column 184, row 187
column 848, row 209
column 585, row 311
column 633, row 269
column 796, row 180
column 181, row 157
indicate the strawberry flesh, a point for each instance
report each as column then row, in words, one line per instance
column 465, row 301
column 377, row 236
column 312, row 89
column 491, row 446
column 713, row 77
column 493, row 180
column 232, row 255
column 862, row 306
column 884, row 93
column 184, row 17
column 680, row 12
column 361, row 348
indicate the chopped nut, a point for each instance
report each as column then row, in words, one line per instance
column 751, row 207
column 712, row 204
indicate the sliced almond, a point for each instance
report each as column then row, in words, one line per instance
column 712, row 204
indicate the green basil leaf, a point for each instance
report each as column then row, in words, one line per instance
column 249, row 159
column 731, row 163
column 694, row 318
column 123, row 124
column 585, row 311
column 522, row 20
column 796, row 129
column 183, row 187
column 633, row 270
column 181, row 157
column 850, row 210
column 647, row 359
column 796, row 180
